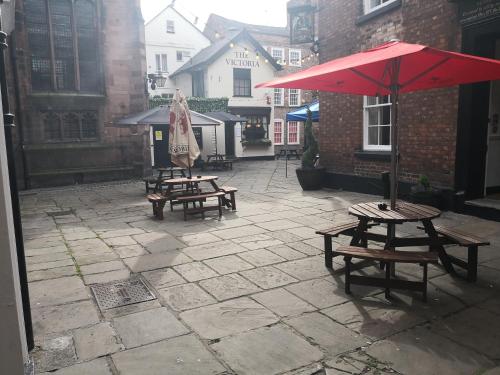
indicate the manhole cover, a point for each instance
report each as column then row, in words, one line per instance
column 122, row 293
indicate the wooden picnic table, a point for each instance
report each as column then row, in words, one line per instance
column 288, row 154
column 219, row 161
column 165, row 173
column 403, row 213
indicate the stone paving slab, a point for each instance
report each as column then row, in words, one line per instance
column 178, row 356
column 185, row 297
column 147, row 327
column 57, row 291
column 228, row 264
column 261, row 257
column 195, row 271
column 266, row 351
column 213, row 250
column 158, row 242
column 419, row 351
column 156, row 261
column 319, row 293
column 163, row 278
column 96, row 367
column 227, row 318
column 268, row 277
column 282, row 302
column 53, row 352
column 52, row 273
column 229, row 286
column 95, row 341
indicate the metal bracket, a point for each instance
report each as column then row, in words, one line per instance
column 3, row 40
column 8, row 120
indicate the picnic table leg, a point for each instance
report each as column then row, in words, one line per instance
column 472, row 264
column 347, row 275
column 360, row 232
column 328, row 252
column 436, row 246
column 391, row 234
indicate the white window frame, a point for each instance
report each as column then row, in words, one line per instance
column 184, row 55
column 282, row 60
column 368, row 8
column 299, row 99
column 367, row 146
column 288, row 133
column 281, row 92
column 299, row 61
column 282, row 131
column 161, row 61
column 170, row 24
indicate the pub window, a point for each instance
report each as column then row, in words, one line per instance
column 161, row 63
column 242, row 82
column 278, row 132
column 183, row 55
column 279, row 97
column 198, row 82
column 70, row 126
column 294, row 98
column 293, row 132
column 256, row 127
column 372, row 5
column 62, row 41
column 295, row 56
column 377, row 123
column 278, row 54
column 170, row 27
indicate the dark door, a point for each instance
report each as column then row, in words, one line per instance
column 160, row 146
column 229, row 130
column 472, row 132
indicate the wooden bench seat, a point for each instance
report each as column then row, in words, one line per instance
column 200, row 199
column 346, row 228
column 471, row 242
column 158, row 201
column 387, row 257
column 231, row 192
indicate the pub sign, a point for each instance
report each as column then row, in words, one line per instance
column 474, row 11
column 302, row 24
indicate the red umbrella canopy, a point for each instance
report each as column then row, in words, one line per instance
column 373, row 72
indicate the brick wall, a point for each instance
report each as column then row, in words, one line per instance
column 428, row 119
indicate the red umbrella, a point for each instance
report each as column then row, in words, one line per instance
column 390, row 69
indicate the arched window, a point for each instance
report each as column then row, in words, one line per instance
column 63, row 45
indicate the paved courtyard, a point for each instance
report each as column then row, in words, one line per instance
column 245, row 295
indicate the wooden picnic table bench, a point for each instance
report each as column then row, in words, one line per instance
column 201, row 199
column 388, row 257
column 218, row 161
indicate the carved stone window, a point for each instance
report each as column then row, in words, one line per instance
column 63, row 45
column 70, row 126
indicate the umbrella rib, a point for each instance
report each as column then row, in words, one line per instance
column 428, row 70
column 368, row 78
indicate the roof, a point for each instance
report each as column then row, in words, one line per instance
column 211, row 53
column 236, row 25
column 225, row 116
column 161, row 116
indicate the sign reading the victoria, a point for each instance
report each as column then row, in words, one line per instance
column 241, row 60
column 479, row 10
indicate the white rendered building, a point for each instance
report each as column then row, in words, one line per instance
column 171, row 41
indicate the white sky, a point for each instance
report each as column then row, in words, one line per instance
column 261, row 12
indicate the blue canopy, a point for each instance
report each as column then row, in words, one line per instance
column 301, row 114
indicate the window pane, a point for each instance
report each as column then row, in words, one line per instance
column 39, row 44
column 86, row 27
column 372, row 116
column 385, row 135
column 89, row 125
column 60, row 15
column 158, row 63
column 242, row 84
column 52, row 127
column 71, row 126
column 385, row 115
column 373, row 135
column 371, row 100
column 164, row 66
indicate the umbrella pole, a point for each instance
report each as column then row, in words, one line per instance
column 394, row 134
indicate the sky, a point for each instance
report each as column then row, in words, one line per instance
column 261, row 12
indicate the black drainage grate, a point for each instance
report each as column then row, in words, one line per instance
column 121, row 293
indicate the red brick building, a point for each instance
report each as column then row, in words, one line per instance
column 76, row 67
column 444, row 133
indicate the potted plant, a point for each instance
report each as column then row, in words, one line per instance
column 422, row 193
column 310, row 176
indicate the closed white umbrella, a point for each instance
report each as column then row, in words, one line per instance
column 182, row 144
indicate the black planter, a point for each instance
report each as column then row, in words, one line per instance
column 311, row 178
column 429, row 198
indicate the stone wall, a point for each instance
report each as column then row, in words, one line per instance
column 428, row 119
column 117, row 152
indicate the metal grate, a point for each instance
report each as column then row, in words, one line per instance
column 122, row 293
column 61, row 213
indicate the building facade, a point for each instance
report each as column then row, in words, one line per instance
column 171, row 40
column 77, row 66
column 291, row 58
column 449, row 135
column 230, row 68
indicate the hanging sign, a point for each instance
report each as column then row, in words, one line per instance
column 301, row 24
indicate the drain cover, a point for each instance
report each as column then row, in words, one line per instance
column 122, row 293
column 60, row 213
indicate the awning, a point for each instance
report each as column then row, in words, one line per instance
column 161, row 116
column 301, row 114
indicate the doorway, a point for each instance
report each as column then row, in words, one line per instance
column 229, row 135
column 160, row 146
column 492, row 180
